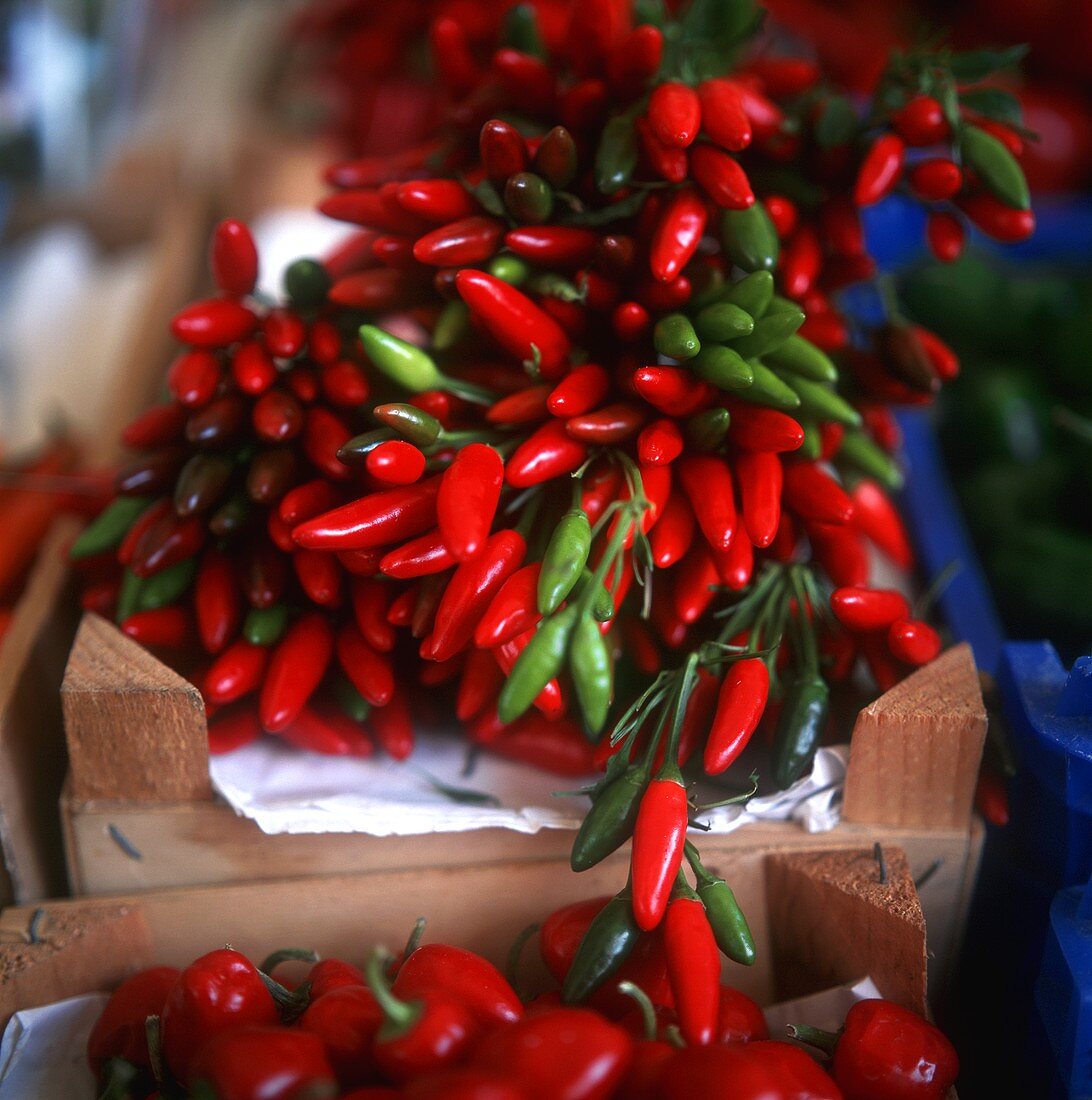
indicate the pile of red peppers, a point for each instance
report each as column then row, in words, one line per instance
column 573, row 430
column 439, row 1022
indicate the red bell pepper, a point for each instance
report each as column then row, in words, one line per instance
column 461, row 974
column 120, row 1031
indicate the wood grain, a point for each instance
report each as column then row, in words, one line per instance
column 833, row 919
column 915, row 751
column 135, row 728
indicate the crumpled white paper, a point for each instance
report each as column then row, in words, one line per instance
column 285, row 791
column 42, row 1053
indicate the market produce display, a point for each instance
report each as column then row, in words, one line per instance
column 574, row 426
column 439, row 1021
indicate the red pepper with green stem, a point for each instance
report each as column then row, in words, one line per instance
column 346, row 1019
column 469, row 492
column 693, row 964
column 120, row 1030
column 463, row 975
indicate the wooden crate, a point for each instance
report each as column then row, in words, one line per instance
column 34, row 649
column 138, row 814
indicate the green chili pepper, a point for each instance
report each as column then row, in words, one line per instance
column 350, row 700
column 858, row 450
column 770, row 332
column 521, row 31
column 265, row 625
column 128, row 595
column 724, row 368
column 167, row 586
column 812, row 447
column 355, row 451
column 306, row 284
column 724, row 321
column 616, row 157
column 823, row 403
column 537, row 665
column 529, row 198
column 729, row 925
column 995, row 166
column 750, row 239
column 556, row 286
column 451, row 326
column 753, row 292
column 565, row 557
column 607, row 943
column 201, row 483
column 609, row 823
column 592, row 672
column 707, row 430
column 422, row 429
column 109, row 528
column 510, row 269
column 674, row 336
column 803, row 357
column 401, row 361
column 768, row 389
column 799, row 728
column 602, row 604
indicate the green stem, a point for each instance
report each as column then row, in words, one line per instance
column 648, row 1012
column 399, row 1016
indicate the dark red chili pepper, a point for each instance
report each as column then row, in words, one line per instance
column 217, row 601
column 420, row 557
column 370, row 604
column 325, row 729
column 526, row 406
column 555, row 745
column 329, row 974
column 721, row 177
column 265, row 576
column 455, row 63
column 460, row 1083
column 707, row 482
column 553, row 245
column 324, row 434
column 374, row 520
column 840, row 550
column 470, row 241
column 866, row 609
column 740, row 706
column 658, row 837
column 319, row 575
column 274, row 1063
column 167, row 627
column 479, row 684
column 942, row 359
column 218, row 993
column 608, row 424
column 378, row 290
column 566, row 1052
column 393, row 727
column 991, row 799
column 921, row 121
column 674, row 533
column 166, row 542
column 739, row 1019
column 746, row 1071
column 121, row 1031
column 369, row 671
column 502, row 150
column 814, row 494
column 470, row 592
column 548, row 453
column 880, row 170
column 233, row 729
column 360, row 563
column 635, row 59
column 760, row 484
column 193, row 378
column 912, row 641
column 461, row 974
column 514, row 321
column 345, row 1018
column 693, row 964
column 470, row 490
column 674, row 113
column 158, row 426
column 277, row 417
column 512, row 611
column 677, row 235
column 295, row 670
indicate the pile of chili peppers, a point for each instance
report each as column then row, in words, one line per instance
column 439, row 1021
column 573, row 424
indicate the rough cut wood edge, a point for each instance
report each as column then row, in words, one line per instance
column 32, row 757
column 135, row 728
column 915, row 751
column 83, row 948
column 833, row 921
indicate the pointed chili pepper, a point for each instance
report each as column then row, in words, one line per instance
column 538, row 664
column 913, row 641
column 722, row 115
column 166, row 542
column 326, row 730
column 420, row 557
column 995, row 219
column 502, row 150
column 374, row 520
column 162, row 424
column 841, row 552
column 814, row 494
column 666, row 161
column 658, row 836
column 512, row 611
column 370, row 603
column 461, row 243
column 213, row 323
column 799, row 727
column 233, row 258
column 379, row 290
column 866, row 609
column 166, row 627
column 553, row 245
column 740, row 706
column 880, row 170
column 945, row 236
column 479, row 684
column 721, row 177
column 295, row 670
column 324, row 434
column 579, row 392
column 467, row 502
column 393, row 727
column 277, row 417
column 673, row 535
column 518, row 325
column 677, row 235
column 217, row 601
column 672, row 390
column 346, row 1019
column 693, row 964
column 369, row 671
column 466, row 977
column 758, row 429
column 707, row 483
column 760, row 482
column 674, row 113
column 548, row 453
column 553, row 745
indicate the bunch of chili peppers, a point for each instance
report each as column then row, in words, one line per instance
column 439, row 1021
column 573, row 423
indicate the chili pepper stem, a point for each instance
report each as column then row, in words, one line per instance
column 825, row 1041
column 648, row 1012
column 398, row 1016
column 287, row 954
column 515, row 958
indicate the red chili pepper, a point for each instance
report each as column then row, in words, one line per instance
column 324, row 341
column 887, row 1052
column 455, row 63
column 324, row 729
column 324, row 434
column 395, row 462
column 942, row 359
column 376, row 209
column 370, row 605
column 880, row 170
column 393, row 727
column 234, row 729
column 213, row 323
column 121, row 1031
column 523, row 407
column 303, row 384
column 360, row 563
column 674, row 113
column 329, row 974
column 470, row 241
column 295, row 670
column 319, row 575
column 707, row 482
column 502, row 150
column 658, row 837
column 252, row 368
column 736, row 564
column 673, row 535
column 470, row 490
column 462, row 975
column 345, row 1018
column 285, row 334
column 193, row 378
column 673, row 390
column 740, row 706
column 440, row 201
column 801, row 262
column 739, row 1019
column 866, row 609
column 630, row 321
column 841, row 552
column 553, row 245
column 579, row 392
column 166, row 542
column 344, row 383
column 921, row 121
column 159, row 426
column 694, row 584
column 512, row 611
column 935, row 180
column 760, row 483
column 514, row 321
column 607, row 425
column 722, row 115
column 567, row 1052
column 758, row 429
column 374, row 520
column 746, row 1071
column 307, row 501
column 878, row 518
column 548, row 453
column 693, row 963
column 277, row 417
column 265, row 576
column 379, row 290
column 217, row 601
column 219, row 992
column 369, row 671
column 166, row 627
column 479, row 685
column 721, row 177
column 669, row 162
column 233, row 258
column 997, row 220
column 555, row 745
column 912, row 641
column 635, row 59
column 420, row 557
column 274, row 1063
column 814, row 494
column 945, row 236
column 677, row 235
